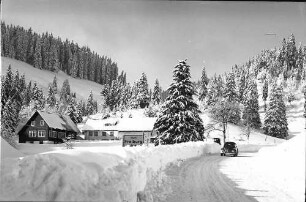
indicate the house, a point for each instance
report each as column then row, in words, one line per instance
column 137, row 126
column 45, row 127
column 116, row 128
column 100, row 129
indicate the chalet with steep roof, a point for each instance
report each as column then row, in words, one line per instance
column 47, row 127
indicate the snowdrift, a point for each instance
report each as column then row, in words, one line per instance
column 91, row 173
column 7, row 151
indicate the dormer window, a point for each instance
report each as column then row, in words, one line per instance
column 32, row 123
column 42, row 123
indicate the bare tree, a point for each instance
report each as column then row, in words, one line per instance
column 221, row 112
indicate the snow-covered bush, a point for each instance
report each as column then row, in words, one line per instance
column 150, row 112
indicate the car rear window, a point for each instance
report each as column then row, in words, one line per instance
column 230, row 144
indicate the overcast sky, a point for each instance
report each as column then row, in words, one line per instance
column 151, row 37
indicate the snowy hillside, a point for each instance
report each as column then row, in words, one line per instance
column 44, row 77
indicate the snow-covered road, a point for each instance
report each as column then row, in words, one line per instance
column 199, row 179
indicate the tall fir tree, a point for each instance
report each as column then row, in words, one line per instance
column 230, row 93
column 241, row 87
column 250, row 113
column 37, row 97
column 291, row 53
column 275, row 123
column 179, row 120
column 79, row 112
column 304, row 91
column 112, row 95
column 51, row 100
column 28, row 94
column 156, row 93
column 203, row 83
column 90, row 108
column 9, row 121
column 65, row 92
column 37, row 54
column 143, row 91
column 265, row 91
column 6, row 86
column 71, row 110
column 212, row 94
column 54, row 85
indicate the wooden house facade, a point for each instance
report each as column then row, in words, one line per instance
column 45, row 127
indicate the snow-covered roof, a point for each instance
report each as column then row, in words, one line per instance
column 121, row 124
column 136, row 124
column 101, row 124
column 57, row 121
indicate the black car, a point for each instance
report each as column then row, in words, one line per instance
column 229, row 148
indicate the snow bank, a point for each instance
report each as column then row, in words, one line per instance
column 109, row 173
column 7, row 151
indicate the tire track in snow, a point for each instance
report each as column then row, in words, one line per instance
column 199, row 179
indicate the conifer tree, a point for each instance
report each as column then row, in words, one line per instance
column 37, row 54
column 230, row 88
column 37, row 97
column 51, row 100
column 54, row 85
column 250, row 113
column 212, row 94
column 79, row 112
column 90, row 108
column 156, row 93
column 204, row 83
column 291, row 53
column 134, row 102
column 265, row 92
column 6, row 86
column 143, row 91
column 53, row 62
column 65, row 92
column 241, row 87
column 299, row 65
column 71, row 110
column 275, row 123
column 112, row 95
column 304, row 91
column 28, row 94
column 179, row 120
column 9, row 121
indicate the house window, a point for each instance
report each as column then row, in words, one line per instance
column 111, row 133
column 41, row 133
column 50, row 133
column 54, row 133
column 95, row 133
column 103, row 133
column 90, row 133
column 32, row 123
column 42, row 123
column 32, row 133
column 61, row 135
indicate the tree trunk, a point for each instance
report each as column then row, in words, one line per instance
column 224, row 132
